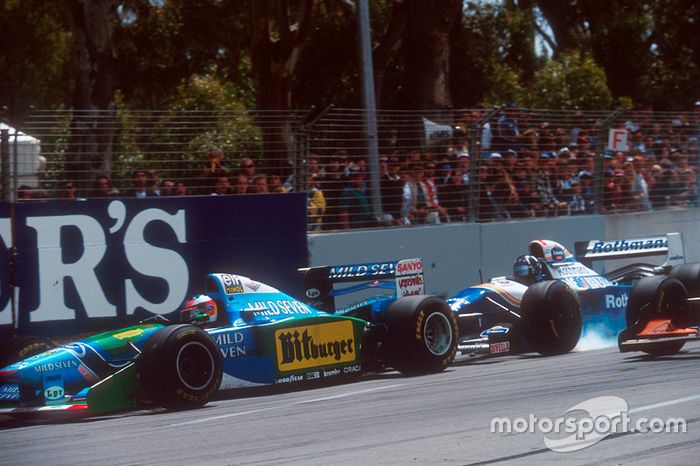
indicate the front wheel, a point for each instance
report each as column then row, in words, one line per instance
column 422, row 334
column 551, row 318
column 180, row 367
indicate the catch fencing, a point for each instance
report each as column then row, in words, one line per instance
column 467, row 165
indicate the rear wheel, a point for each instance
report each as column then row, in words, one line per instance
column 659, row 297
column 180, row 367
column 422, row 334
column 551, row 318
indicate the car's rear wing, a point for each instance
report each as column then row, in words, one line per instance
column 407, row 275
column 670, row 245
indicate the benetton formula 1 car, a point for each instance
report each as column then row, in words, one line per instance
column 557, row 297
column 242, row 333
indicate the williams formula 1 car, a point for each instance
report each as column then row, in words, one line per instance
column 241, row 333
column 554, row 296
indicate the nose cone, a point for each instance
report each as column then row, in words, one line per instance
column 33, row 368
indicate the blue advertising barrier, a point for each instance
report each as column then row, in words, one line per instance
column 84, row 265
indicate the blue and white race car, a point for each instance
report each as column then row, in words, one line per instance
column 554, row 296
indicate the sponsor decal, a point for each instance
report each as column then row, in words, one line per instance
column 54, row 393
column 352, row 307
column 53, row 389
column 616, row 302
column 410, row 285
column 409, row 267
column 361, row 270
column 128, row 334
column 315, row 345
column 331, row 373
column 55, row 366
column 78, row 349
column 87, row 374
column 497, row 329
column 231, row 344
column 499, row 347
column 352, row 369
column 255, row 286
column 575, row 269
column 313, row 375
column 557, row 254
column 648, row 245
column 9, row 392
column 313, row 293
column 587, row 283
column 289, row 379
column 277, row 307
column 232, row 284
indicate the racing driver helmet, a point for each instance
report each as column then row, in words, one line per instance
column 527, row 269
column 199, row 309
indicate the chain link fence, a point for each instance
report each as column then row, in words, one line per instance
column 435, row 166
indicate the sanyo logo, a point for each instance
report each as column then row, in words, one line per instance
column 615, row 302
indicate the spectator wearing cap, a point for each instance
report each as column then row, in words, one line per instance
column 507, row 132
column 355, row 211
column 464, row 164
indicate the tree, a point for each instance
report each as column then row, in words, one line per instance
column 35, row 48
column 278, row 32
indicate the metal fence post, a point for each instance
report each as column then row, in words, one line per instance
column 475, row 165
column 5, row 163
column 601, row 147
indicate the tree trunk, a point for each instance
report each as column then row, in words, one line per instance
column 427, row 52
column 92, row 129
column 274, row 55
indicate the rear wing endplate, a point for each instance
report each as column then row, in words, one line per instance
column 318, row 281
column 670, row 245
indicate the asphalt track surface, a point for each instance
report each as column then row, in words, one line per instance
column 390, row 419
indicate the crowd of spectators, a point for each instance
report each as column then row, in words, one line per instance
column 524, row 167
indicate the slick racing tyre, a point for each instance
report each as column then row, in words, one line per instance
column 15, row 349
column 659, row 297
column 180, row 367
column 551, row 318
column 422, row 334
column 689, row 276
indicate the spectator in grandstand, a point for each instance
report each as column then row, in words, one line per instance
column 68, row 191
column 222, row 187
column 138, row 185
column 391, row 187
column 464, row 165
column 354, row 208
column 152, row 183
column 507, row 132
column 577, row 205
column 433, row 198
column 547, row 203
column 415, row 197
column 181, row 189
column 24, row 193
column 242, row 184
column 260, row 184
column 587, row 190
column 455, row 197
column 316, row 207
column 167, row 188
column 275, row 185
column 332, row 185
column 525, row 188
column 687, row 191
column 640, row 186
column 578, row 125
column 665, row 189
column 104, row 188
column 612, row 191
column 489, row 207
column 214, row 169
column 246, row 167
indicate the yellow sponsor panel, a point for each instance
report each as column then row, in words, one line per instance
column 315, row 345
column 129, row 333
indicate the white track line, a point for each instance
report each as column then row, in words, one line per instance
column 663, row 404
column 286, row 405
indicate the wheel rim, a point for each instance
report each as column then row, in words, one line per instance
column 195, row 365
column 437, row 333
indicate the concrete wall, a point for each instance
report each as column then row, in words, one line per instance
column 453, row 254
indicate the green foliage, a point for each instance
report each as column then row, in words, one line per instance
column 573, row 81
